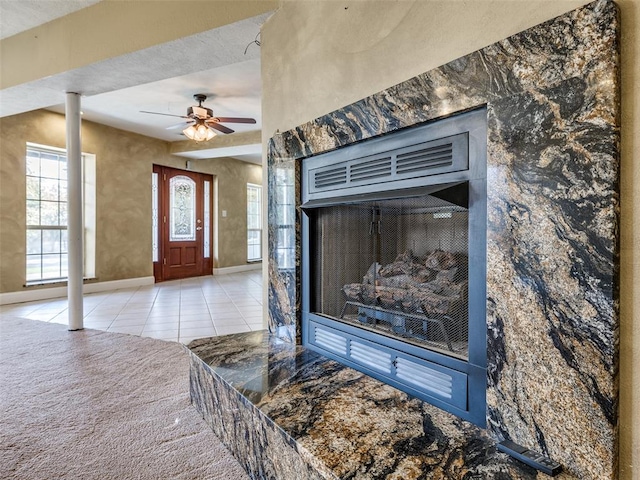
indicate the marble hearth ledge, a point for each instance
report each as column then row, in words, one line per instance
column 287, row 413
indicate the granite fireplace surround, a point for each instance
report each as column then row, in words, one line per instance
column 551, row 94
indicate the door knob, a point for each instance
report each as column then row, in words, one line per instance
column 198, row 228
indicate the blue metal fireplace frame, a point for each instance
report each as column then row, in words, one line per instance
column 454, row 384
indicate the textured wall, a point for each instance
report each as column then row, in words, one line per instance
column 553, row 204
column 630, row 242
column 14, row 133
column 123, row 203
column 123, row 176
column 321, row 56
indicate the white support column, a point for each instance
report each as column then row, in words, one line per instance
column 74, row 212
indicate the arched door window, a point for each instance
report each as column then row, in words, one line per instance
column 182, row 200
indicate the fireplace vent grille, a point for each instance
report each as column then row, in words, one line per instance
column 424, row 377
column 371, row 357
column 330, row 177
column 417, row 159
column 330, row 341
column 380, row 167
column 421, row 376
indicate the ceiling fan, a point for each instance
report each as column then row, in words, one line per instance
column 201, row 122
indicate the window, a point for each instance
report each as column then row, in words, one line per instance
column 254, row 222
column 46, row 205
column 182, row 202
column 155, row 247
column 285, row 217
column 207, row 219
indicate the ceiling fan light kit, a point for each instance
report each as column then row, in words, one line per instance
column 199, row 132
column 201, row 122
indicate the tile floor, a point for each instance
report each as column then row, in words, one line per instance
column 178, row 310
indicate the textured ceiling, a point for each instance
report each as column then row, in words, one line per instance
column 19, row 15
column 232, row 91
column 212, row 62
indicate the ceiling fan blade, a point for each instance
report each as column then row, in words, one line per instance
column 220, row 128
column 165, row 114
column 179, row 125
column 235, row 120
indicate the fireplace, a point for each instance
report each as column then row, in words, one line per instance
column 394, row 260
column 550, row 96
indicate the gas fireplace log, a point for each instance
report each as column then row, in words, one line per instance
column 398, row 268
column 353, row 292
column 361, row 293
column 412, row 299
column 408, row 264
column 431, row 285
column 415, row 273
column 447, row 289
column 404, row 281
column 372, row 274
column 441, row 260
column 399, row 281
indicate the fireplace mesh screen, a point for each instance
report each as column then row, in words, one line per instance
column 397, row 267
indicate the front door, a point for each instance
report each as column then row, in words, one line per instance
column 185, row 206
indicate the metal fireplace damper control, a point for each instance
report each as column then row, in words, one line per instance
column 394, row 260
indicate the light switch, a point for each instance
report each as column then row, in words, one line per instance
column 224, row 213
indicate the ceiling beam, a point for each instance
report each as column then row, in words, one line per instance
column 236, row 145
column 114, row 45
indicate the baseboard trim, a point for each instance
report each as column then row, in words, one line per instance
column 237, row 269
column 31, row 295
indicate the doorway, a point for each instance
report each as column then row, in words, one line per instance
column 183, row 224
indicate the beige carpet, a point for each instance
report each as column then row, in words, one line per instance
column 97, row 405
